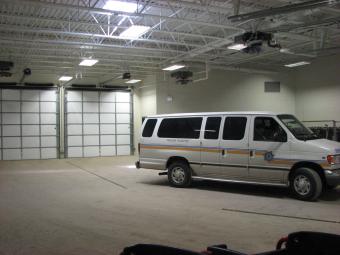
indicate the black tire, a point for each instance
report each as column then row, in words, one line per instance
column 306, row 184
column 179, row 174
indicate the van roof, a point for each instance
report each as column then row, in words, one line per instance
column 211, row 113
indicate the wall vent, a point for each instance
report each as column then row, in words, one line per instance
column 272, row 86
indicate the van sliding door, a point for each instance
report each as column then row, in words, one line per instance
column 234, row 148
column 210, row 147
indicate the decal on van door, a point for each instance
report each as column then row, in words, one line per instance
column 268, row 156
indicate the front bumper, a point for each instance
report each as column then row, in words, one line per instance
column 332, row 177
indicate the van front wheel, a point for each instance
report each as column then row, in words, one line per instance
column 306, row 184
column 179, row 175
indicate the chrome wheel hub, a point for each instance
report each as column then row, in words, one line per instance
column 178, row 175
column 302, row 185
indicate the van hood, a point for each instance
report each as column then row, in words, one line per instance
column 332, row 147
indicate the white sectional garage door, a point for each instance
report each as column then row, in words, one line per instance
column 29, row 124
column 97, row 123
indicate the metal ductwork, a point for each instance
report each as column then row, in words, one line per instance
column 283, row 9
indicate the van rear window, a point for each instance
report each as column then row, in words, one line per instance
column 180, row 128
column 149, row 127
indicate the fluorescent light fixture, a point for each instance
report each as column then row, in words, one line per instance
column 65, row 78
column 173, row 67
column 120, row 6
column 302, row 63
column 133, row 81
column 237, row 46
column 88, row 62
column 134, row 32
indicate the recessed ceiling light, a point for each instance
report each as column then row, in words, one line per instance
column 302, row 63
column 120, row 6
column 237, row 46
column 65, row 78
column 133, row 81
column 134, row 32
column 88, row 62
column 173, row 67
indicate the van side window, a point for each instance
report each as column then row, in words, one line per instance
column 149, row 127
column 180, row 128
column 266, row 129
column 212, row 128
column 234, row 128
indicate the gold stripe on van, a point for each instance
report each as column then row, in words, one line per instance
column 238, row 152
column 169, row 148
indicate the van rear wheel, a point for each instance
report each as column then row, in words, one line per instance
column 306, row 184
column 179, row 174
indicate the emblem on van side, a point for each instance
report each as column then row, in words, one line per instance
column 268, row 156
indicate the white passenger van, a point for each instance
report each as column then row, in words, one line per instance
column 244, row 147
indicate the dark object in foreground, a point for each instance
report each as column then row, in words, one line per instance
column 299, row 243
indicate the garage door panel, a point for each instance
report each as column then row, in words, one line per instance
column 107, row 118
column 74, row 129
column 107, row 139
column 91, row 96
column 47, row 118
column 91, row 140
column 48, row 106
column 92, row 151
column 123, row 129
column 11, row 154
column 11, row 118
column 123, row 139
column 90, row 107
column 11, row 130
column 30, row 118
column 123, row 150
column 123, row 118
column 10, row 94
column 48, row 130
column 75, row 141
column 107, row 150
column 49, row 153
column 30, row 95
column 31, row 154
column 11, row 142
column 123, row 108
column 74, row 96
column 50, row 95
column 107, row 96
column 123, row 97
column 107, row 107
column 9, row 106
column 91, row 129
column 31, row 142
column 48, row 141
column 91, row 118
column 30, row 130
column 30, row 107
column 74, row 118
column 107, row 129
column 75, row 152
column 74, row 107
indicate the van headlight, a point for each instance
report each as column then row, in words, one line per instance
column 333, row 159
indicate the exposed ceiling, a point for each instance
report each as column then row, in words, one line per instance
column 53, row 36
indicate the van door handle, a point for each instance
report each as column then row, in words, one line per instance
column 223, row 152
column 251, row 153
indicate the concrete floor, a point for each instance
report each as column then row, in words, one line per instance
column 100, row 205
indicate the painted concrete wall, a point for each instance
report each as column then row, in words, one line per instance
column 318, row 90
column 226, row 91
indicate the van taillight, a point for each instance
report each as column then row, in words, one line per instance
column 330, row 159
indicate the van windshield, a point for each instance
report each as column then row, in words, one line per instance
column 297, row 128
